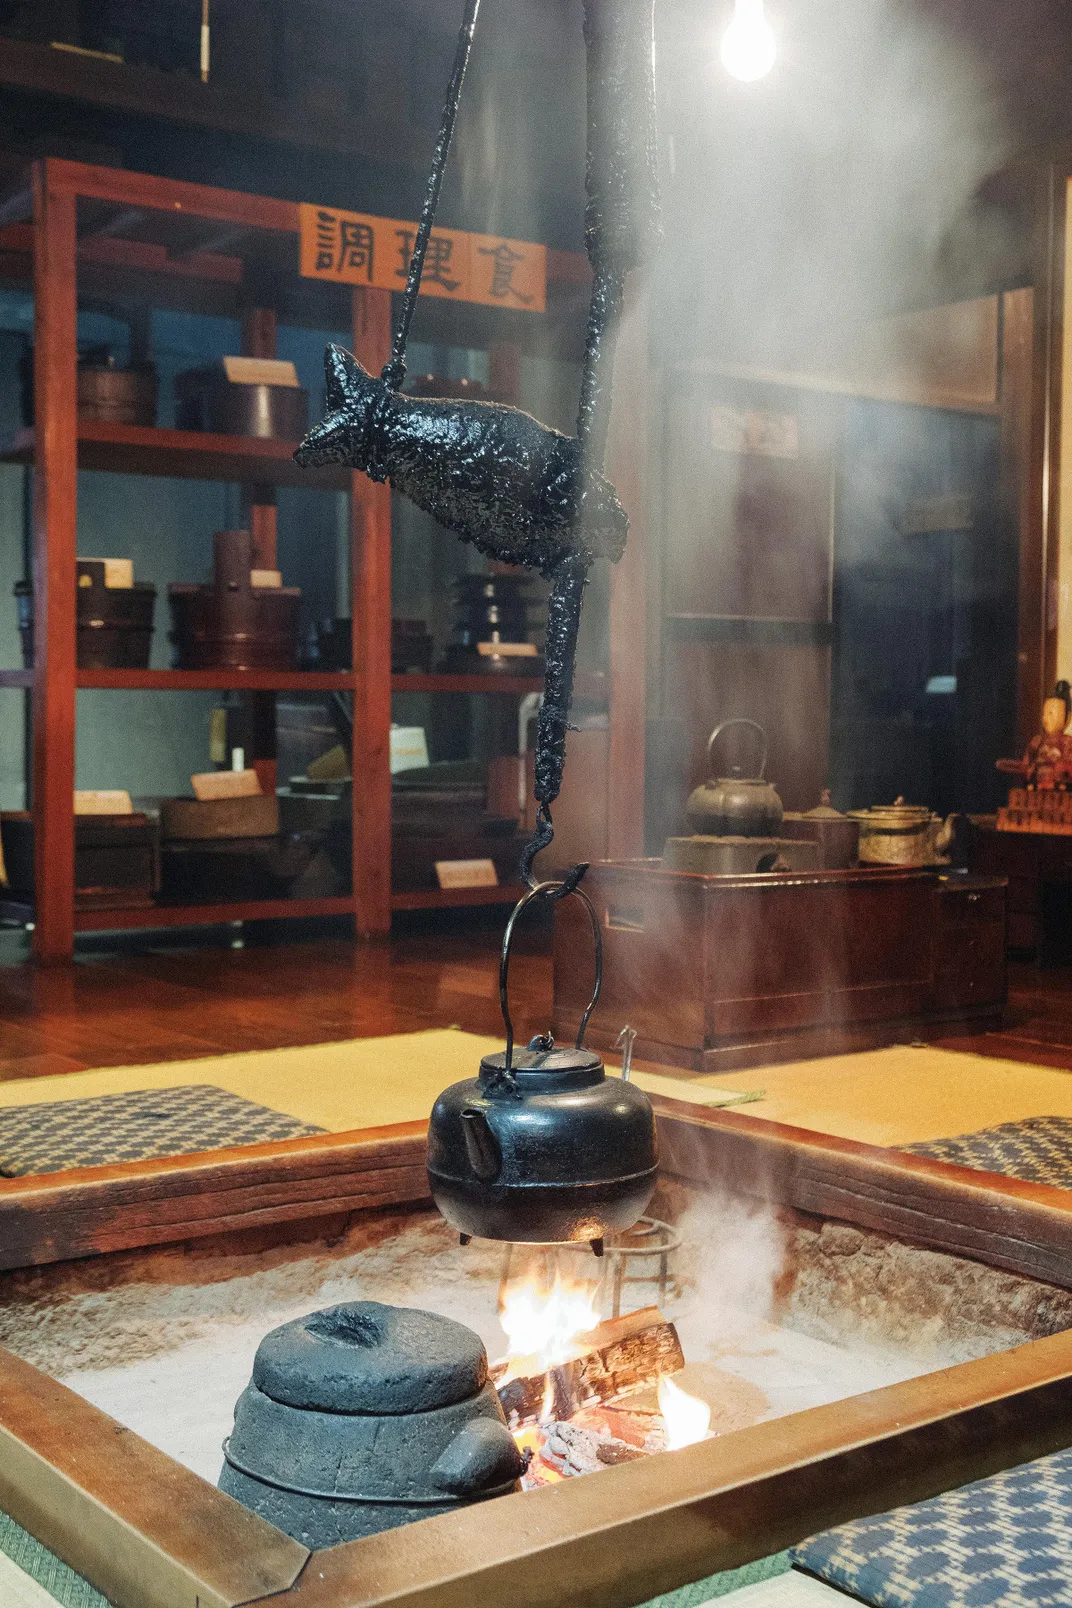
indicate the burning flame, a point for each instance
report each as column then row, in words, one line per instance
column 687, row 1419
column 544, row 1324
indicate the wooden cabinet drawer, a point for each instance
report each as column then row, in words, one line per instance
column 967, row 906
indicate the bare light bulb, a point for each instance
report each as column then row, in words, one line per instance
column 748, row 45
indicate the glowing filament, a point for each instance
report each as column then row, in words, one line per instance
column 687, row 1419
column 748, row 45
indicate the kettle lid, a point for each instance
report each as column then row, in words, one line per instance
column 366, row 1357
column 543, row 1068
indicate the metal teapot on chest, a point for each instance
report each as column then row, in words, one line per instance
column 542, row 1146
column 737, row 822
column 736, row 805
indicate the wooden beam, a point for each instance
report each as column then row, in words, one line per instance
column 89, row 1211
column 55, row 493
column 1045, row 506
column 647, row 1527
column 146, row 1531
column 151, row 1535
column 370, row 511
column 1005, row 1222
column 174, row 196
column 1017, row 385
column 149, row 92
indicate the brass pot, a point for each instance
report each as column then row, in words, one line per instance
column 736, row 806
column 902, row 834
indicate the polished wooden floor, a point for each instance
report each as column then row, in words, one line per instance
column 159, row 999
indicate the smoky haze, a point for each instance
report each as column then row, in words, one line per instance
column 841, row 187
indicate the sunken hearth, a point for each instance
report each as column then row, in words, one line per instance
column 718, row 1315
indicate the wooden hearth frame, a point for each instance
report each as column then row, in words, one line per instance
column 150, row 1534
column 1020, row 1227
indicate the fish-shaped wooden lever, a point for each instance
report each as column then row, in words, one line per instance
column 517, row 490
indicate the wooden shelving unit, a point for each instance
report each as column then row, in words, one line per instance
column 131, row 449
column 73, row 227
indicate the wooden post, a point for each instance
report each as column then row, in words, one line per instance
column 504, row 371
column 55, row 489
column 1017, row 379
column 258, row 502
column 370, row 512
column 627, row 463
column 259, row 509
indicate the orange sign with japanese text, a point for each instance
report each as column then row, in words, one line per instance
column 355, row 248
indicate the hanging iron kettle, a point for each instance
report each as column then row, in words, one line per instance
column 542, row 1146
column 736, row 805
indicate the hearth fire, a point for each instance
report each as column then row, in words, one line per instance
column 582, row 1395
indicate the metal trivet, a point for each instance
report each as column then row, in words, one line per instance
column 648, row 1238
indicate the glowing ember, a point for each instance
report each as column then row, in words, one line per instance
column 544, row 1324
column 687, row 1419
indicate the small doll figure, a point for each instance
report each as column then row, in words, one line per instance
column 1047, row 763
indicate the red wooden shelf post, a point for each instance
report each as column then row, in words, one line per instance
column 54, row 548
column 371, row 763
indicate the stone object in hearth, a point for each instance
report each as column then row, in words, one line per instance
column 364, row 1417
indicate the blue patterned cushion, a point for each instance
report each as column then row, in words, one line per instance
column 99, row 1130
column 1036, row 1148
column 1004, row 1542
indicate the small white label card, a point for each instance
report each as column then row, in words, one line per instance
column 507, row 650
column 101, row 801
column 409, row 749
column 119, row 574
column 467, row 873
column 260, row 371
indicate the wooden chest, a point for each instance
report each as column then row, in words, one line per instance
column 717, row 972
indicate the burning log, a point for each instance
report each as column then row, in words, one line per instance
column 618, row 1356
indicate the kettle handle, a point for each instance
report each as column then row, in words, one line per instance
column 555, row 891
column 741, row 721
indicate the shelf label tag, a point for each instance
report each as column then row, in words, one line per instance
column 356, row 248
column 409, row 749
column 226, row 784
column 100, row 801
column 467, row 873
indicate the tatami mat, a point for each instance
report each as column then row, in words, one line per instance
column 361, row 1083
column 792, row 1590
column 17, row 1590
column 883, row 1097
column 902, row 1094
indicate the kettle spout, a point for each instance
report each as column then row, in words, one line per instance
column 946, row 834
column 481, row 1145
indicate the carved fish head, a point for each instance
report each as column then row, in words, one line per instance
column 352, row 398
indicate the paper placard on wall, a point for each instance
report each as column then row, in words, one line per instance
column 101, row 801
column 357, row 248
column 755, row 432
column 467, row 873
